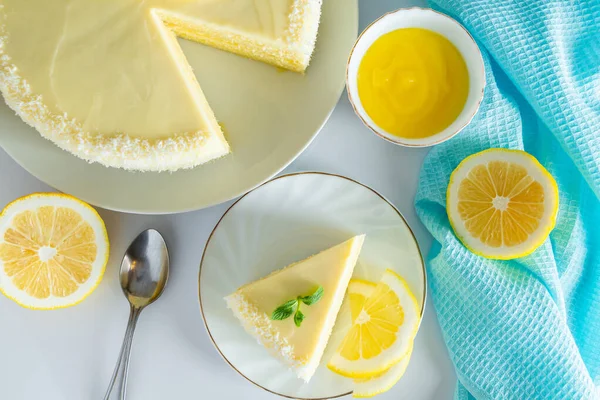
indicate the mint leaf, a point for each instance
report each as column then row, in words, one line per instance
column 285, row 310
column 298, row 318
column 290, row 307
column 313, row 298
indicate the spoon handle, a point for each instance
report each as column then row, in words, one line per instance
column 123, row 360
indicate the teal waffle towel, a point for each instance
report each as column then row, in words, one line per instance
column 528, row 328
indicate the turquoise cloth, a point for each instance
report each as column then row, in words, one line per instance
column 527, row 328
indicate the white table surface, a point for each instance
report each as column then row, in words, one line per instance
column 70, row 354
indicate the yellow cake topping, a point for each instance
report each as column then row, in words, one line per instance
column 300, row 347
column 107, row 80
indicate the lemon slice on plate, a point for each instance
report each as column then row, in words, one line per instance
column 358, row 292
column 53, row 251
column 382, row 333
column 501, row 203
column 369, row 387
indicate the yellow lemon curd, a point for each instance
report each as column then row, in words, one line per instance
column 413, row 82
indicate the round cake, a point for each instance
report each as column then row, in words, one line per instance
column 107, row 80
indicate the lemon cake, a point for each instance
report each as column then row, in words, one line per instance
column 298, row 344
column 107, row 80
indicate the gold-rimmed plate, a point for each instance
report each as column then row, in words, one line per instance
column 287, row 219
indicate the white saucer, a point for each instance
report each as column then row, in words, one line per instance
column 286, row 220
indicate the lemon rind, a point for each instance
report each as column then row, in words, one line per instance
column 371, row 373
column 543, row 235
column 403, row 364
column 362, row 282
column 104, row 232
column 368, row 374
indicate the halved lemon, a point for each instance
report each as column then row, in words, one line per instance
column 53, row 251
column 501, row 203
column 383, row 382
column 382, row 333
column 358, row 292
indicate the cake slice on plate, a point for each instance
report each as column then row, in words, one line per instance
column 292, row 311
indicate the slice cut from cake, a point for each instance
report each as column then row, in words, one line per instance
column 107, row 80
column 298, row 344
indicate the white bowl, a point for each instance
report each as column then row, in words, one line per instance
column 436, row 22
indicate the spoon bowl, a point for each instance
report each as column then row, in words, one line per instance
column 145, row 268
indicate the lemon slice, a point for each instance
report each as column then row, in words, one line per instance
column 501, row 203
column 382, row 333
column 358, row 292
column 383, row 382
column 53, row 251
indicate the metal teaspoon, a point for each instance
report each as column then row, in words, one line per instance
column 143, row 275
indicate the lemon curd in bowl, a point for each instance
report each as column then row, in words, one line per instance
column 413, row 82
column 415, row 77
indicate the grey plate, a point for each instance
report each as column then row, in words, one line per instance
column 269, row 116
